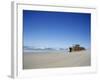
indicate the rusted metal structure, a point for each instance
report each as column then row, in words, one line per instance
column 76, row 47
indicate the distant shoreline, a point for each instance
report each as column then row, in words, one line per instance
column 44, row 51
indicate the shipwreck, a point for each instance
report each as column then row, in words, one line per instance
column 76, row 47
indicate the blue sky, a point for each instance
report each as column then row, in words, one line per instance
column 43, row 29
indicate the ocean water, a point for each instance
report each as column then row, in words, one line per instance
column 44, row 51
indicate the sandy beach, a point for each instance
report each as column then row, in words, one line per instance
column 53, row 60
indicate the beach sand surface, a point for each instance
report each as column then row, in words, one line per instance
column 56, row 60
